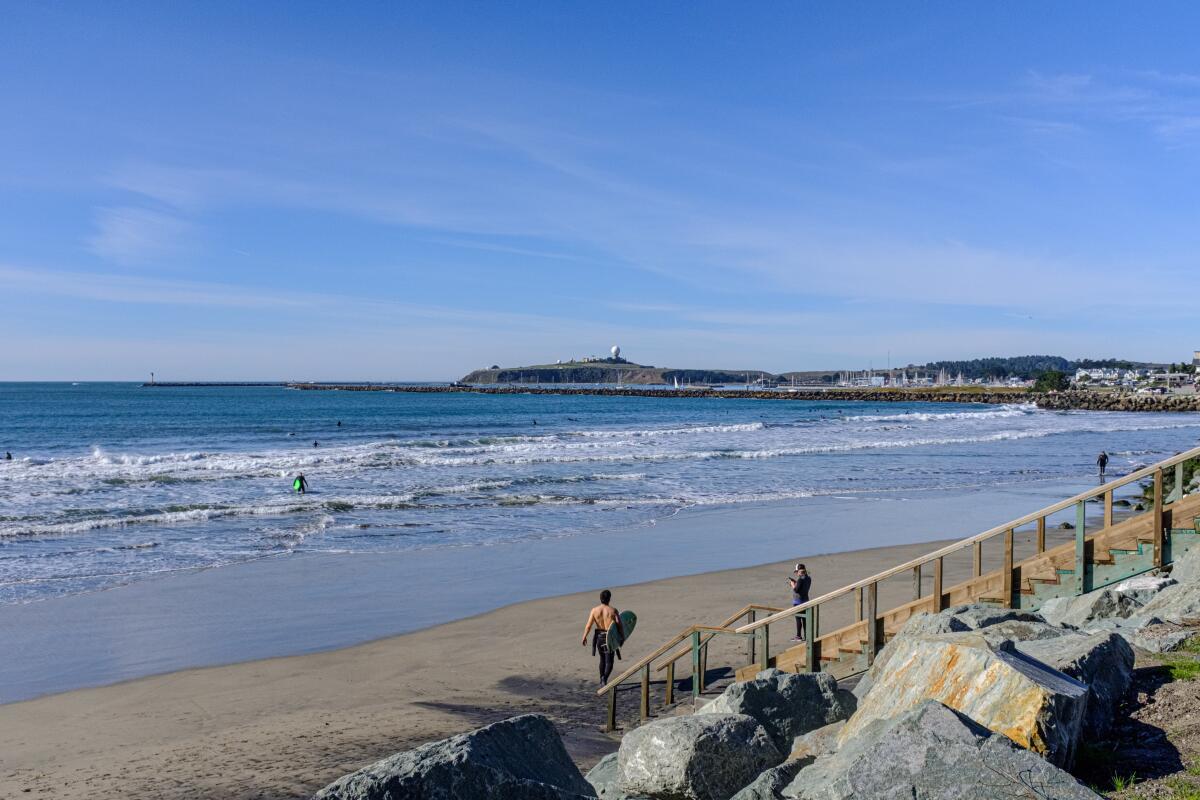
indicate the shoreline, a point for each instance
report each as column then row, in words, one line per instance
column 283, row 727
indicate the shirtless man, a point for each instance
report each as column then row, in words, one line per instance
column 602, row 618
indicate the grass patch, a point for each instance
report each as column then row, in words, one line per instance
column 1183, row 789
column 1120, row 784
column 1182, row 668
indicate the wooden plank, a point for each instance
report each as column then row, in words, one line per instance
column 1108, row 514
column 669, row 699
column 1159, row 554
column 858, row 603
column 937, row 585
column 697, row 675
column 917, row 582
column 977, row 565
column 610, row 720
column 810, row 640
column 1041, row 534
column 764, row 647
column 1006, row 569
column 750, row 639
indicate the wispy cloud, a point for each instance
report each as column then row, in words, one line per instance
column 129, row 235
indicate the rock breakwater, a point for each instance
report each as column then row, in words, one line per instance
column 1059, row 401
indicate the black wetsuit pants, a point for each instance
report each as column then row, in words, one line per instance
column 607, row 656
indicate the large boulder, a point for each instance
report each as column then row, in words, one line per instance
column 1179, row 603
column 1036, row 706
column 770, row 784
column 820, row 742
column 1143, row 588
column 1080, row 611
column 932, row 752
column 603, row 778
column 521, row 758
column 1186, row 568
column 787, row 704
column 699, row 757
column 1104, row 661
column 995, row 625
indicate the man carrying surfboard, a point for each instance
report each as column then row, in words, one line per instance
column 300, row 484
column 603, row 618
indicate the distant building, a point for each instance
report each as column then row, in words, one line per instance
column 1196, row 358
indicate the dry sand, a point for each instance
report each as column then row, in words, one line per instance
column 284, row 727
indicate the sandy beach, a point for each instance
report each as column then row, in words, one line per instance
column 284, row 727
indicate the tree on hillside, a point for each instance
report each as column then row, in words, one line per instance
column 1051, row 381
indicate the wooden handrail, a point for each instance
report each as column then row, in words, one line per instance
column 678, row 654
column 1062, row 505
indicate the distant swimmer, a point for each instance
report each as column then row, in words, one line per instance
column 316, row 444
column 7, row 456
column 1102, row 463
column 339, row 423
column 291, row 434
column 300, row 484
column 535, row 422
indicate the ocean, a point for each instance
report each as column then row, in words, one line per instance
column 113, row 483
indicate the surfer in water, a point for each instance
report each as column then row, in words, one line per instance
column 603, row 617
column 300, row 484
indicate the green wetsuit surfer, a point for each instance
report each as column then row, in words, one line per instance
column 300, row 484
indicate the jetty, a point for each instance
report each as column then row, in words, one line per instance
column 1058, row 401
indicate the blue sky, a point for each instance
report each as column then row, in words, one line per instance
column 409, row 191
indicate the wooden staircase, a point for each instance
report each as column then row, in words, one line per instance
column 1114, row 551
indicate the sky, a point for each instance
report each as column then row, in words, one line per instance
column 408, row 191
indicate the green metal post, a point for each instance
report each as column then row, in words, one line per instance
column 1080, row 547
column 697, row 676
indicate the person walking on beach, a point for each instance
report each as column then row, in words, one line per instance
column 602, row 618
column 1102, row 462
column 801, row 581
column 300, row 484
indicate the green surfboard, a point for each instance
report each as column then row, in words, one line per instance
column 628, row 622
column 296, row 484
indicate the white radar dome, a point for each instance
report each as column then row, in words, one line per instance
column 616, row 351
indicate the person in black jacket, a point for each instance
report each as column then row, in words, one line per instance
column 801, row 581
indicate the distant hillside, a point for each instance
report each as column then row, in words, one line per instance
column 1024, row 367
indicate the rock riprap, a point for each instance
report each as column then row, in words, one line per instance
column 699, row 757
column 521, row 758
column 1080, row 611
column 1036, row 706
column 770, row 784
column 787, row 704
column 931, row 751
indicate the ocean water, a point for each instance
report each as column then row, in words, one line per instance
column 115, row 483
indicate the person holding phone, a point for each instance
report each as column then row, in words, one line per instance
column 801, row 581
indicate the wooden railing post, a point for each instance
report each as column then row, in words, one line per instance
column 1041, row 535
column 1108, row 508
column 1007, row 569
column 977, row 565
column 1178, row 490
column 764, row 647
column 610, row 723
column 750, row 640
column 670, row 694
column 917, row 582
column 937, row 585
column 810, row 640
column 704, row 660
column 858, row 603
column 697, row 675
column 1159, row 555
column 872, row 622
column 645, row 711
column 1080, row 547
